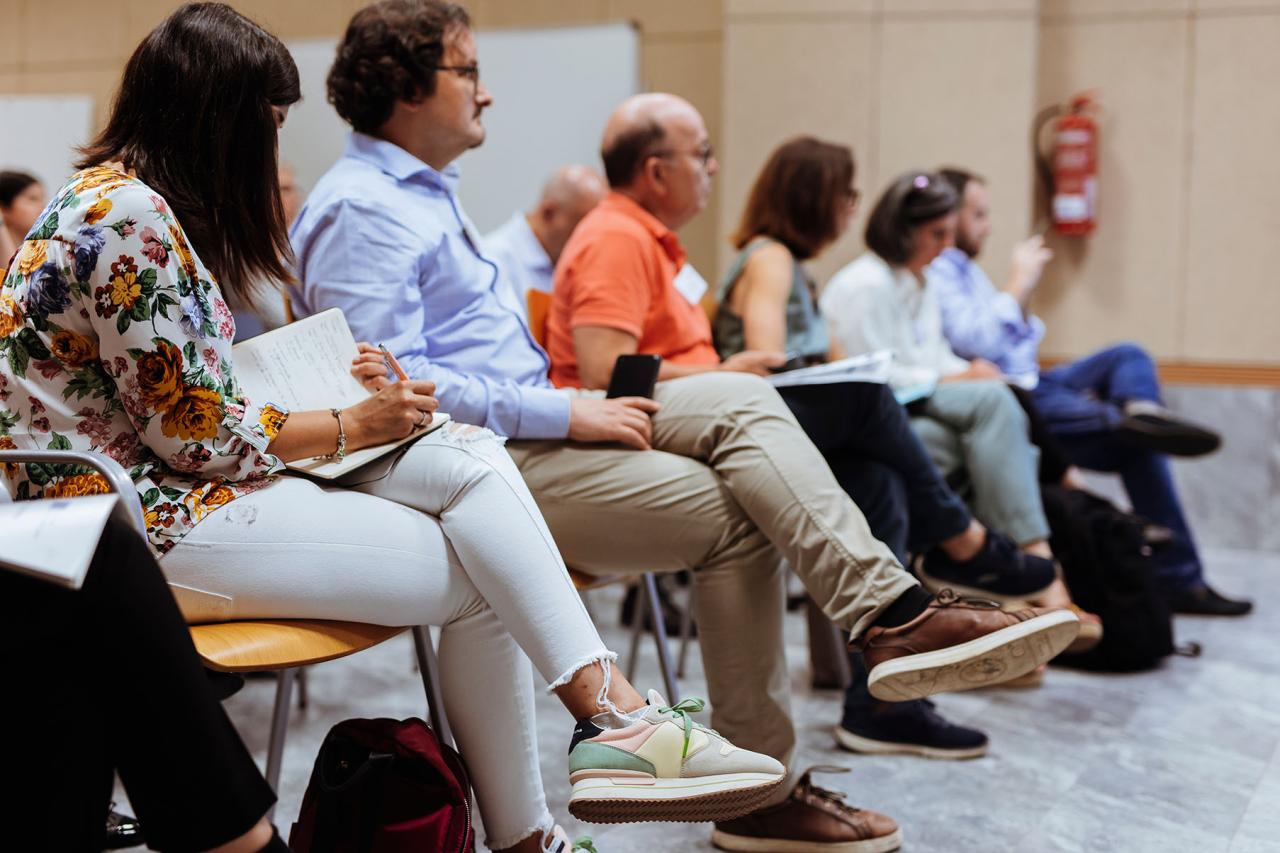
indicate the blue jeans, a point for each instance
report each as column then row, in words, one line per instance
column 1083, row 402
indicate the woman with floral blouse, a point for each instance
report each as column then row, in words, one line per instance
column 115, row 337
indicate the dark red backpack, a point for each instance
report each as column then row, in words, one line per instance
column 385, row 786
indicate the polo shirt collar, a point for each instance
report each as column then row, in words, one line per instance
column 398, row 163
column 664, row 235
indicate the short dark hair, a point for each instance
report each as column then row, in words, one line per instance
column 623, row 158
column 911, row 200
column 193, row 119
column 960, row 178
column 14, row 184
column 390, row 52
column 797, row 195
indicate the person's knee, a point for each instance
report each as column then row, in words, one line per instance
column 1129, row 351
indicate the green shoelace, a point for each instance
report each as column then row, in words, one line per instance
column 682, row 710
column 584, row 844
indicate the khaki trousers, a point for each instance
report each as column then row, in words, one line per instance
column 732, row 482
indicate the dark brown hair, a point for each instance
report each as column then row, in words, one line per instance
column 193, row 119
column 959, row 178
column 797, row 196
column 623, row 159
column 390, row 52
column 911, row 200
column 14, row 184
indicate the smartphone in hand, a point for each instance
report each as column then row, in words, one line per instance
column 634, row 375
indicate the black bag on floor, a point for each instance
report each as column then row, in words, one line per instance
column 1107, row 565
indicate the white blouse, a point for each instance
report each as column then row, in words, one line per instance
column 871, row 306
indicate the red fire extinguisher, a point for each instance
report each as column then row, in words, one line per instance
column 1071, row 169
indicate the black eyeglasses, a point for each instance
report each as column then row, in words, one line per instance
column 703, row 153
column 466, row 72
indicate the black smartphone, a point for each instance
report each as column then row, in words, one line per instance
column 794, row 361
column 634, row 375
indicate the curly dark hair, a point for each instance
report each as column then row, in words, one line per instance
column 390, row 53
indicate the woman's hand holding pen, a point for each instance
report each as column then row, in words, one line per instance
column 395, row 408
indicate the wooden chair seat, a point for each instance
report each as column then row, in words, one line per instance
column 281, row 644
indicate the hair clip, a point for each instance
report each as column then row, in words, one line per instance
column 920, row 182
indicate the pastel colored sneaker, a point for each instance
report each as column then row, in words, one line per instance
column 663, row 766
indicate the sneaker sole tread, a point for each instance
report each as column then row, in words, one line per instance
column 599, row 800
column 991, row 659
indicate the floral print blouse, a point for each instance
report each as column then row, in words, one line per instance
column 115, row 338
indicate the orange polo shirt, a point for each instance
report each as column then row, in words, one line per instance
column 617, row 271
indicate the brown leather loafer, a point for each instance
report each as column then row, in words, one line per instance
column 811, row 820
column 961, row 644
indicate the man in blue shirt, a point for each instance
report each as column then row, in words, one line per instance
column 713, row 475
column 1105, row 409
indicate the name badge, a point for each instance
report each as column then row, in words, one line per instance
column 691, row 284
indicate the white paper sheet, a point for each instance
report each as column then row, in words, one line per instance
column 53, row 539
column 869, row 367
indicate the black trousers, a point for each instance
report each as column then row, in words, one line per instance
column 105, row 680
column 876, row 457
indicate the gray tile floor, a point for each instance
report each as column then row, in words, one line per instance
column 1186, row 758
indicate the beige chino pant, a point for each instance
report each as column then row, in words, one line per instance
column 732, row 483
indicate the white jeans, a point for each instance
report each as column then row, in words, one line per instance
column 444, row 533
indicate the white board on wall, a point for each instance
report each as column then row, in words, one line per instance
column 39, row 134
column 553, row 89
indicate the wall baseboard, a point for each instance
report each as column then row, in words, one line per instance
column 1205, row 372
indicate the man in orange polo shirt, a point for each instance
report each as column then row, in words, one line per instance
column 622, row 286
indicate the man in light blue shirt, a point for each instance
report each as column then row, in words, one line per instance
column 1105, row 409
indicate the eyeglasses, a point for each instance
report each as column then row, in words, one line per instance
column 466, row 72
column 703, row 153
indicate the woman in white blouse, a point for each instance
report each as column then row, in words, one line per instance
column 967, row 417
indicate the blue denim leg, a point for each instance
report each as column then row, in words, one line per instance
column 1086, row 395
column 1149, row 481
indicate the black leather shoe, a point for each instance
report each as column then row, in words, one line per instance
column 1161, row 431
column 1202, row 600
column 122, row 832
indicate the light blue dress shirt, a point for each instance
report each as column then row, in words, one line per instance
column 982, row 322
column 384, row 238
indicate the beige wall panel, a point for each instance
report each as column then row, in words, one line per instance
column 1232, row 301
column 957, row 7
column 538, row 13
column 800, row 7
column 52, row 34
column 966, row 100
column 1123, row 281
column 291, row 19
column 1124, row 8
column 11, row 36
column 10, row 83
column 773, row 93
column 692, row 68
column 98, row 83
column 663, row 17
column 1211, row 6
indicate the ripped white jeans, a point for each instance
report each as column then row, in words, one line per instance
column 444, row 533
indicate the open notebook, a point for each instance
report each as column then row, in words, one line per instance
column 54, row 539
column 307, row 365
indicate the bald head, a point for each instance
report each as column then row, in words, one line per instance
column 568, row 195
column 656, row 151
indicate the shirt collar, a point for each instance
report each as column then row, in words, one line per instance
column 398, row 163
column 629, row 207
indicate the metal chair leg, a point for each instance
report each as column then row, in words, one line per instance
column 302, row 688
column 430, row 669
column 686, row 628
column 660, row 638
column 279, row 728
column 637, row 629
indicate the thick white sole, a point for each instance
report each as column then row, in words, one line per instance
column 626, row 799
column 884, row 844
column 867, row 746
column 997, row 657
